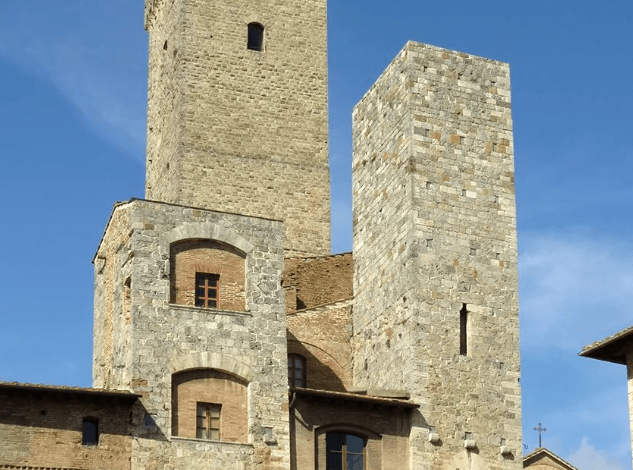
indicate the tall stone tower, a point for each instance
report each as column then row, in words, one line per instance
column 237, row 113
column 436, row 280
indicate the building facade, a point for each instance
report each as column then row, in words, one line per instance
column 244, row 343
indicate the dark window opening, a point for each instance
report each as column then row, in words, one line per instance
column 255, row 37
column 90, row 432
column 208, row 421
column 207, row 290
column 296, row 371
column 463, row 330
column 344, row 451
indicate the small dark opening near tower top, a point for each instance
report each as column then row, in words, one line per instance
column 165, row 46
column 255, row 36
column 463, row 330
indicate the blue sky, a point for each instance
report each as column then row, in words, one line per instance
column 72, row 130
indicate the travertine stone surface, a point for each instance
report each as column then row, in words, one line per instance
column 434, row 229
column 238, row 130
column 164, row 339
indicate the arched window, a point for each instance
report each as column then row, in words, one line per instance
column 209, row 404
column 296, row 371
column 207, row 274
column 344, row 451
column 90, row 432
column 255, row 36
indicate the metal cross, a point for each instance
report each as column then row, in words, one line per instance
column 540, row 430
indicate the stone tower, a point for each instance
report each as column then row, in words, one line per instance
column 436, row 280
column 237, row 112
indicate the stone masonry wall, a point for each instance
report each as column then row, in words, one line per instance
column 434, row 232
column 112, row 347
column 45, row 431
column 238, row 130
column 166, row 339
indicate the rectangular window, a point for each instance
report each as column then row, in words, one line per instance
column 208, row 421
column 90, row 432
column 296, row 371
column 344, row 452
column 207, row 290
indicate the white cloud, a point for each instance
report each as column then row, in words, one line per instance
column 101, row 82
column 586, row 457
column 573, row 290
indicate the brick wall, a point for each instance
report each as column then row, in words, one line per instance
column 386, row 430
column 206, row 256
column 45, row 430
column 209, row 386
column 312, row 282
column 322, row 336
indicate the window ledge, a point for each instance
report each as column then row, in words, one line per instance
column 210, row 441
column 212, row 311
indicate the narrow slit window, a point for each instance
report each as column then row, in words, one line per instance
column 207, row 290
column 255, row 37
column 463, row 330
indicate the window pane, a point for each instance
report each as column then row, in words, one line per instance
column 213, row 281
column 334, row 461
column 354, row 461
column 355, row 444
column 334, row 441
column 213, row 303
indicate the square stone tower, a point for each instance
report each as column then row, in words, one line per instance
column 237, row 112
column 436, row 281
column 212, row 378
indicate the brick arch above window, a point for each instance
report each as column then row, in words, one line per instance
column 207, row 273
column 209, row 404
